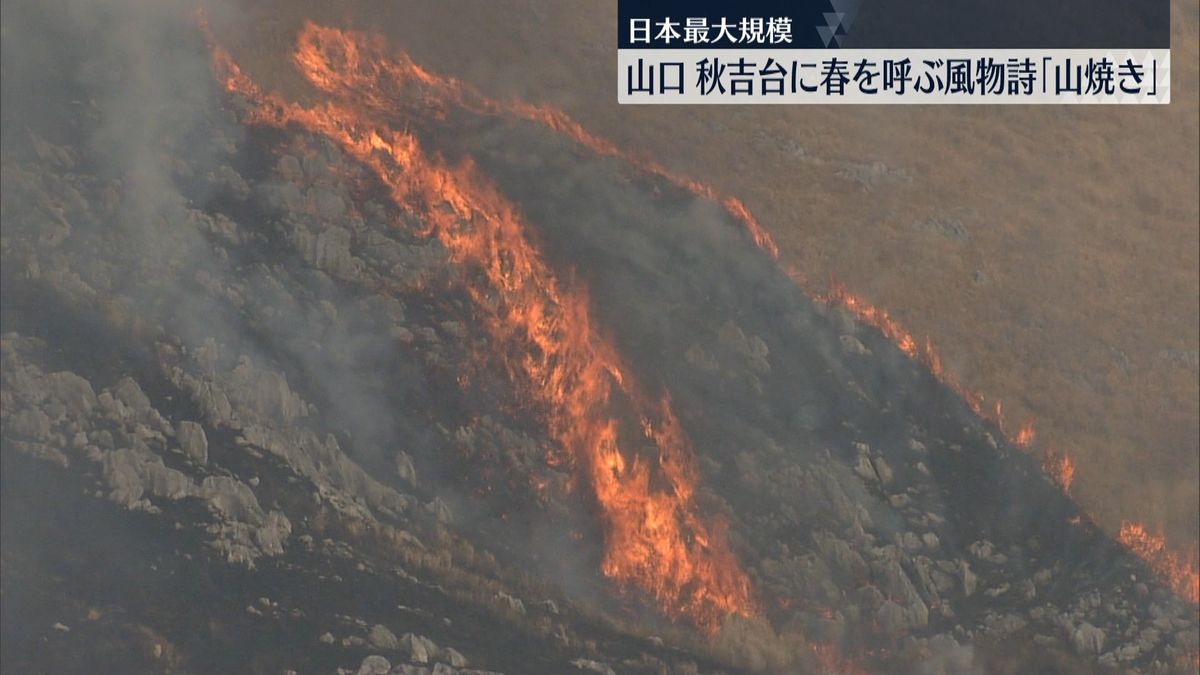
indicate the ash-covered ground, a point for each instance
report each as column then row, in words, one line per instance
column 245, row 428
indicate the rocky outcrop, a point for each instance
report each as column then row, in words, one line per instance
column 193, row 441
column 291, row 387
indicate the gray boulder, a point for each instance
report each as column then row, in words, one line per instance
column 374, row 665
column 193, row 441
column 382, row 638
column 419, row 648
column 1087, row 639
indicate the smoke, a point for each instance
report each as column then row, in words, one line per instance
column 670, row 272
column 780, row 396
column 127, row 84
column 136, row 68
column 947, row 657
column 243, row 261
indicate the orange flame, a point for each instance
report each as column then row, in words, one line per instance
column 366, row 72
column 1181, row 574
column 1025, row 436
column 365, row 62
column 1061, row 469
column 542, row 333
column 1152, row 548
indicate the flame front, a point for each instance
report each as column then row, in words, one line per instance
column 1060, row 468
column 363, row 63
column 1152, row 548
column 375, row 85
column 541, row 328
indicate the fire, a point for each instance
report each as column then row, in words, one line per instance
column 1026, row 435
column 379, row 85
column 1152, row 548
column 541, row 328
column 879, row 319
column 365, row 62
column 1061, row 469
column 1182, row 574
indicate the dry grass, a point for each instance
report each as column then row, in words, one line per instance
column 1069, row 290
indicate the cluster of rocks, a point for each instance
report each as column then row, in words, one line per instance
column 59, row 417
column 864, row 545
column 423, row 655
column 247, row 372
column 291, row 363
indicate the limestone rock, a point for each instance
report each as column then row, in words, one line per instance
column 419, row 648
column 382, row 638
column 1087, row 639
column 193, row 441
column 374, row 665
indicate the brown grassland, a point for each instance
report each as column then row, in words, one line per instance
column 1051, row 252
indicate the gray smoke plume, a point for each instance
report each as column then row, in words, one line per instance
column 235, row 297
